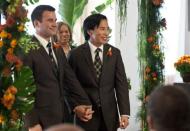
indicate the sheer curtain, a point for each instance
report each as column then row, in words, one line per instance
column 175, row 39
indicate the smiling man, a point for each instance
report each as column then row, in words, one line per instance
column 51, row 73
column 100, row 70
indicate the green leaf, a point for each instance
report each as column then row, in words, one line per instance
column 100, row 8
column 71, row 10
column 24, row 82
column 27, row 2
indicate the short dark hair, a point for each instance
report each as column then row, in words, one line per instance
column 38, row 11
column 169, row 108
column 91, row 22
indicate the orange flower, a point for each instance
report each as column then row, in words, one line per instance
column 12, row 89
column 3, row 34
column 147, row 69
column 10, row 51
column 14, row 115
column 9, row 35
column 156, row 47
column 8, row 99
column 2, row 119
column 109, row 53
column 6, row 71
column 2, row 27
column 11, row 58
column 21, row 28
column 55, row 45
column 18, row 64
column 150, row 39
column 13, row 43
column 1, row 43
column 157, row 2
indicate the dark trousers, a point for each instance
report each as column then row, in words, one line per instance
column 97, row 122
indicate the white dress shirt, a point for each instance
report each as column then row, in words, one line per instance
column 44, row 43
column 93, row 53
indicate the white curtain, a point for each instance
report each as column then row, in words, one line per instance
column 175, row 36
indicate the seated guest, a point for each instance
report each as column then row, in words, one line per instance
column 65, row 127
column 168, row 109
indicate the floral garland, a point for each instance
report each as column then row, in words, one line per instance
column 150, row 49
column 16, row 81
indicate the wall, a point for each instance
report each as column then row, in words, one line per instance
column 129, row 51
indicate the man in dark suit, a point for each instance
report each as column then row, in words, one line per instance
column 100, row 70
column 51, row 72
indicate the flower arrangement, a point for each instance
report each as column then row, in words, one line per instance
column 16, row 81
column 183, row 64
column 150, row 52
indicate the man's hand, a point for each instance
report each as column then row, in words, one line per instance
column 124, row 121
column 36, row 128
column 84, row 112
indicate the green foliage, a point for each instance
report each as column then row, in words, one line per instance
column 27, row 2
column 122, row 12
column 150, row 50
column 26, row 44
column 183, row 64
column 16, row 81
column 102, row 7
column 24, row 81
column 184, row 68
column 71, row 10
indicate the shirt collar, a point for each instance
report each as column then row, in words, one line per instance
column 93, row 47
column 43, row 41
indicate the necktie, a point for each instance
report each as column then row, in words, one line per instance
column 50, row 51
column 52, row 59
column 97, row 63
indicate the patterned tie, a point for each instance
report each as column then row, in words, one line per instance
column 50, row 51
column 98, row 63
column 52, row 59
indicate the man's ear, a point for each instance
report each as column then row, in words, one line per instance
column 36, row 23
column 90, row 32
column 150, row 123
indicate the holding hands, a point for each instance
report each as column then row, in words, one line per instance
column 124, row 121
column 84, row 112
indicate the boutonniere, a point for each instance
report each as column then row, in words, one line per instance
column 109, row 53
column 56, row 46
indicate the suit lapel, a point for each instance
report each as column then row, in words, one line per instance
column 88, row 58
column 45, row 55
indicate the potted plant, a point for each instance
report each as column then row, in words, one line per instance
column 183, row 66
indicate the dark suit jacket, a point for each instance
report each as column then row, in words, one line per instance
column 48, row 109
column 113, row 78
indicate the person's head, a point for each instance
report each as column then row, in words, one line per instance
column 168, row 109
column 65, row 127
column 64, row 34
column 44, row 20
column 96, row 29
